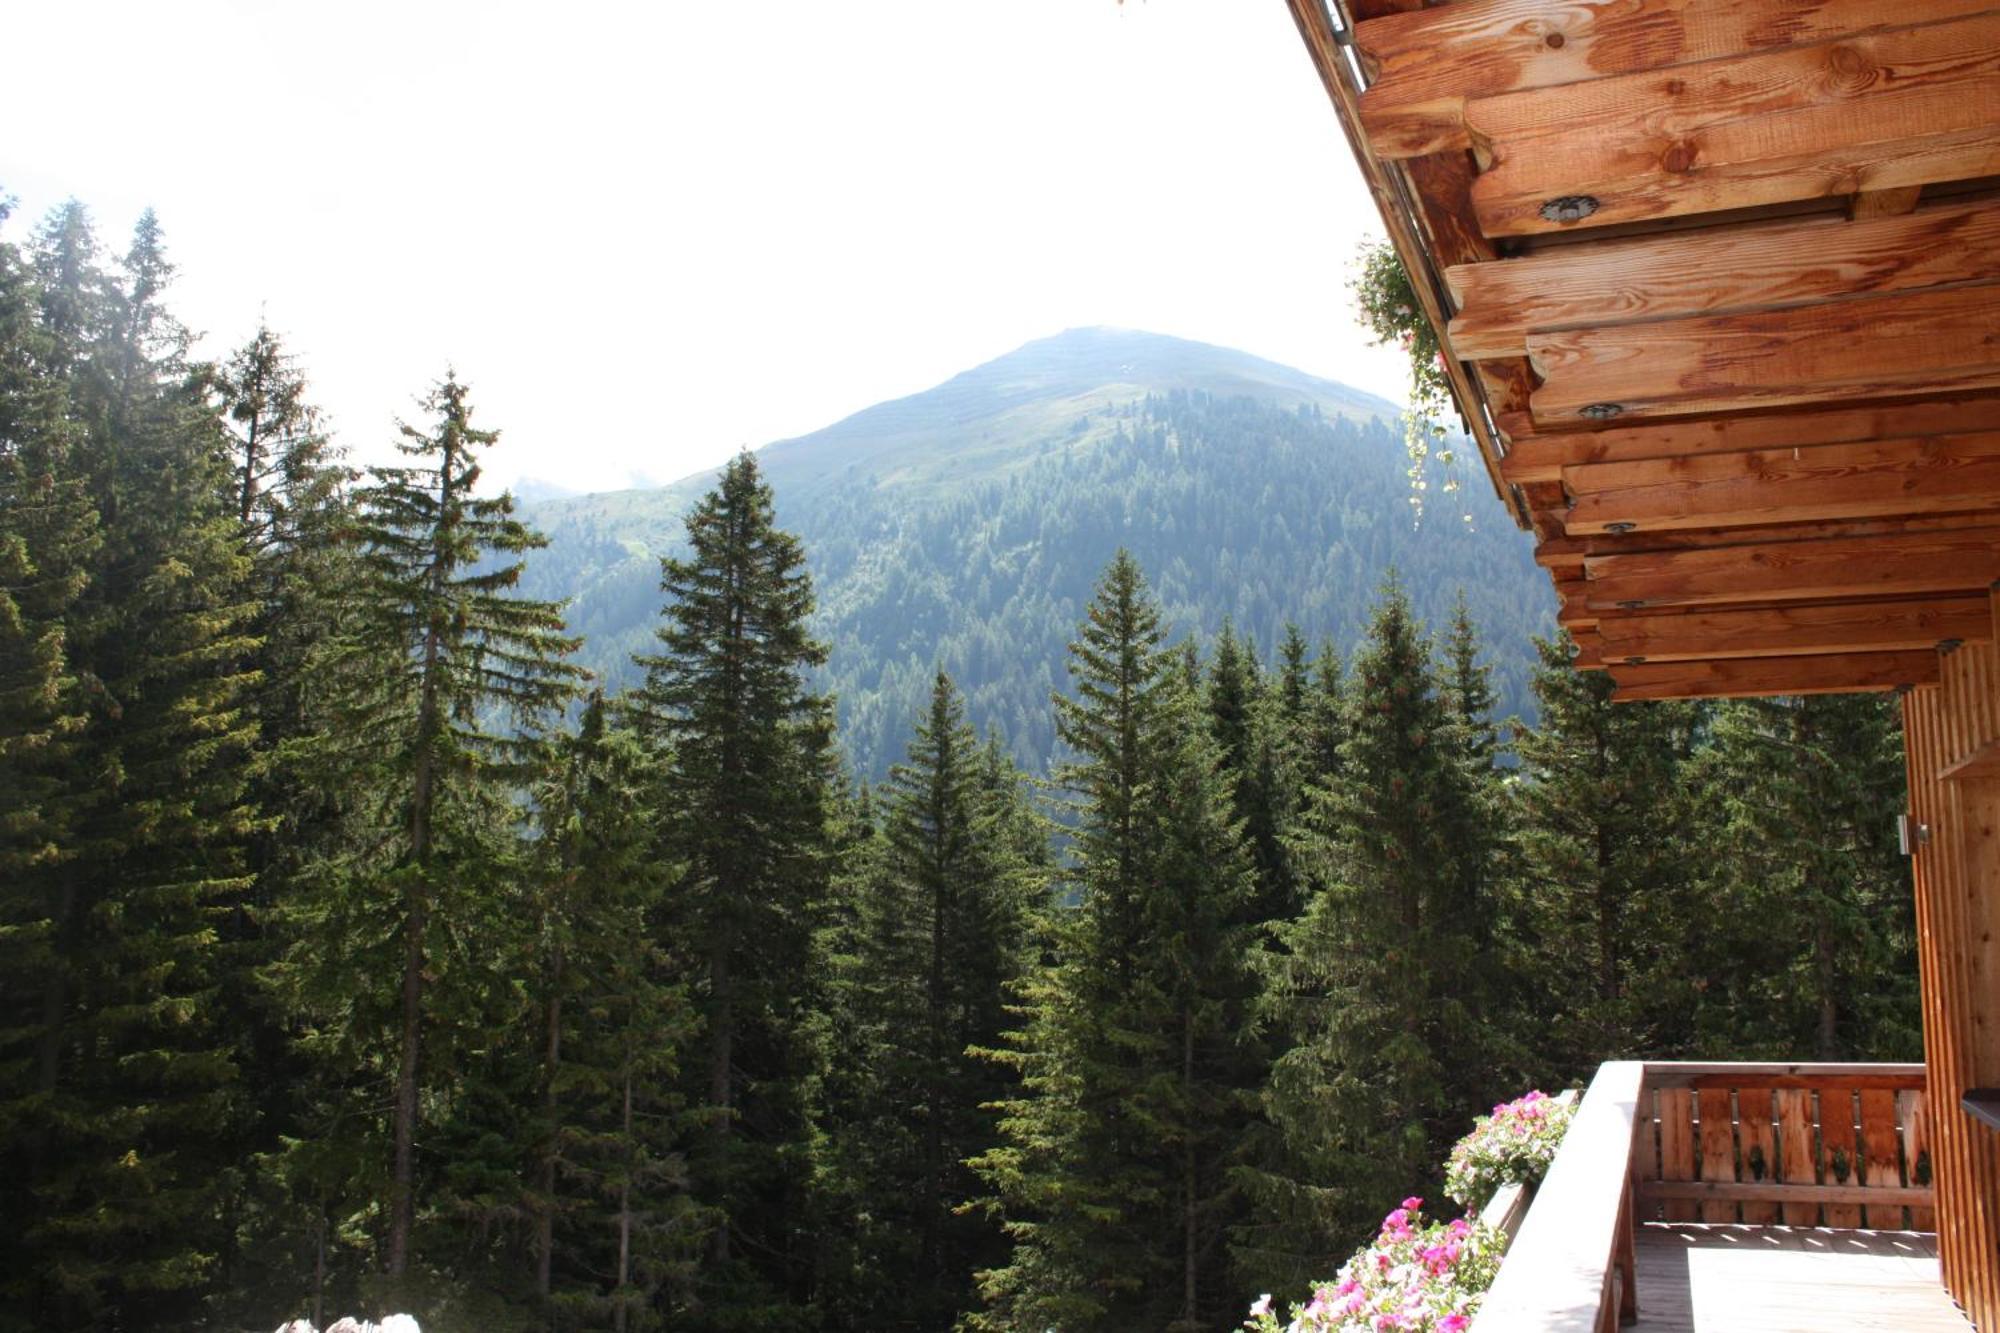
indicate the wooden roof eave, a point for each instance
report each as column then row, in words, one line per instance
column 1327, row 41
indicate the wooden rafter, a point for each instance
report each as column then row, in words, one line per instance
column 1426, row 63
column 1745, row 677
column 1760, row 266
column 1937, row 474
column 1964, row 560
column 1912, row 343
column 1909, row 106
column 1789, row 631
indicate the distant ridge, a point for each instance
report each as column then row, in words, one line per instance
column 964, row 525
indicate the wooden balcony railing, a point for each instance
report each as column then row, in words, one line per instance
column 1776, row 1144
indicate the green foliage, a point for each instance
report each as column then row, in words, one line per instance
column 1113, row 1174
column 745, row 787
column 1387, row 306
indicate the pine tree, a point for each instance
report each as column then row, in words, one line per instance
column 615, row 1236
column 1376, row 987
column 441, row 684
column 1114, row 1170
column 1251, row 738
column 747, row 791
column 944, row 916
column 1602, row 813
column 1804, row 936
column 133, row 1153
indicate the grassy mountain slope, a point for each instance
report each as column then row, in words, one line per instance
column 966, row 525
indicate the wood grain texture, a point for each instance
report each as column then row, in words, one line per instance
column 1718, row 1150
column 1537, row 457
column 1424, row 64
column 1846, row 627
column 1913, row 1113
column 1753, row 677
column 1757, row 1126
column 1795, row 1151
column 1839, row 1154
column 1927, row 342
column 1939, row 474
column 1904, row 107
column 1881, row 1157
column 1965, row 560
column 1763, row 266
column 1677, row 1156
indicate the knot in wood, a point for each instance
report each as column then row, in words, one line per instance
column 1680, row 158
column 1553, row 41
column 1601, row 411
column 1569, row 208
column 1850, row 68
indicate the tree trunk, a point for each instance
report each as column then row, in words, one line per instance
column 624, row 1212
column 545, row 1218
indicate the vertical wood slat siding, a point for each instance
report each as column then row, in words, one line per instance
column 1757, row 1124
column 1795, row 1152
column 1718, row 1149
column 1913, row 1113
column 1677, row 1149
column 1958, row 908
column 1880, row 1161
column 1837, row 1151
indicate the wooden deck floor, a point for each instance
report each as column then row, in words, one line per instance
column 1721, row 1279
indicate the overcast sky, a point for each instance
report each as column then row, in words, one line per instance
column 649, row 234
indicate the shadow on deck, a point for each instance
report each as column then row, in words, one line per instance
column 1725, row 1278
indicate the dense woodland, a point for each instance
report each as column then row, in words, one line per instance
column 357, row 952
column 980, row 557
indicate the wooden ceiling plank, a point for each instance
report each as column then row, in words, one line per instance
column 1847, row 627
column 1425, row 62
column 1839, row 673
column 1934, row 341
column 1905, row 564
column 1904, row 107
column 1926, row 475
column 1535, row 457
column 1762, row 266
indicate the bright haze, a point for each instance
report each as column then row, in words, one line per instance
column 648, row 235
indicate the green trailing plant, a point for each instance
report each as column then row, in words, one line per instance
column 1386, row 305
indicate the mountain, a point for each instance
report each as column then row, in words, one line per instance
column 965, row 525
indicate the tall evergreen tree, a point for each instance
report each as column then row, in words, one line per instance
column 943, row 933
column 443, row 683
column 136, row 1079
column 1251, row 736
column 1377, row 988
column 1806, row 938
column 1604, row 857
column 746, row 790
column 616, row 1237
column 1114, row 1173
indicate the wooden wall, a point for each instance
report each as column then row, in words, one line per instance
column 1952, row 731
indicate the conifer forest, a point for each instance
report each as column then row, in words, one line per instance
column 359, row 950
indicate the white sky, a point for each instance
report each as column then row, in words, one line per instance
column 650, row 233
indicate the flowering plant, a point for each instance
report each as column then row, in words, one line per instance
column 1416, row 1277
column 1514, row 1144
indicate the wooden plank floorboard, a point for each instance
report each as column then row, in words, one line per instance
column 1753, row 1279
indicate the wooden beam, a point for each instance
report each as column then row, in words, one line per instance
column 1903, row 107
column 1794, row 631
column 1884, row 203
column 1533, row 457
column 1423, row 64
column 1927, row 342
column 1955, row 561
column 1930, row 474
column 1761, row 266
column 1920, row 1196
column 1750, row 677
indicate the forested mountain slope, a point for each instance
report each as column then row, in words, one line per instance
column 963, row 527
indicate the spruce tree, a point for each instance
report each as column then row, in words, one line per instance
column 1376, row 988
column 615, row 1235
column 1250, row 732
column 133, row 1147
column 943, row 929
column 1114, row 1170
column 1602, row 813
column 441, row 686
column 746, row 791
